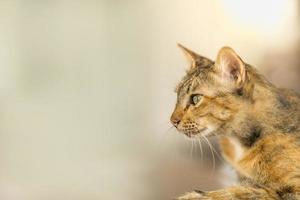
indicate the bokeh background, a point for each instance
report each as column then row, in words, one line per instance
column 86, row 91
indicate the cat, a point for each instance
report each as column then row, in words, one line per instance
column 258, row 125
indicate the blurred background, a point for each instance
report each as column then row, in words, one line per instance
column 86, row 92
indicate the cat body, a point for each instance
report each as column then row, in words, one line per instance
column 258, row 125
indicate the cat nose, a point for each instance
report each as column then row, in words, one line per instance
column 175, row 120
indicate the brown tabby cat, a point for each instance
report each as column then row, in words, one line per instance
column 257, row 123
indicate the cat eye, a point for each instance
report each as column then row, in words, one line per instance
column 196, row 98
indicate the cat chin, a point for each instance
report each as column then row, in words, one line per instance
column 203, row 132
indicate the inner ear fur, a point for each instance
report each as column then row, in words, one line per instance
column 230, row 66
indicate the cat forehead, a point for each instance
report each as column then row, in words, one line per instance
column 192, row 79
column 189, row 85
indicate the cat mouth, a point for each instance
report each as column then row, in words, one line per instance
column 194, row 133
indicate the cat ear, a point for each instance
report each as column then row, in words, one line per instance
column 194, row 58
column 230, row 66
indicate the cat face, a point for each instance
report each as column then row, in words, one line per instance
column 211, row 93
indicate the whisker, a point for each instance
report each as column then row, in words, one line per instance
column 192, row 148
column 201, row 151
column 217, row 153
column 212, row 153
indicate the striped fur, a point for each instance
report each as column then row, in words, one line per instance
column 258, row 125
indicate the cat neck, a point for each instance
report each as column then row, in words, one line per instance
column 277, row 110
column 272, row 111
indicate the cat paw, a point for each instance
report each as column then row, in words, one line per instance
column 195, row 195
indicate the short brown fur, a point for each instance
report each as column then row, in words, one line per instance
column 258, row 125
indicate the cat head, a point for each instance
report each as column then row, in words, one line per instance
column 211, row 94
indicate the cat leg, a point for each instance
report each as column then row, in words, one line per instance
column 238, row 193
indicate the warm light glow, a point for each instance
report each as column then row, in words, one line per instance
column 266, row 15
